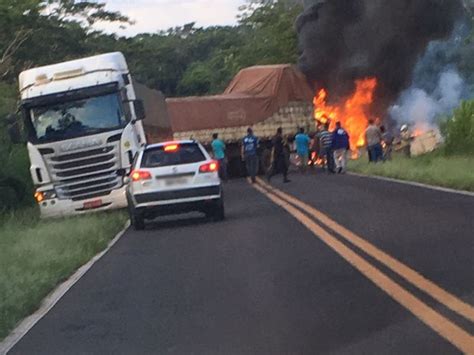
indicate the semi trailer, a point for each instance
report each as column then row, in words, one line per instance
column 263, row 97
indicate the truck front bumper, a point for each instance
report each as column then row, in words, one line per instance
column 61, row 208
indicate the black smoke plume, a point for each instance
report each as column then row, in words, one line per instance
column 345, row 40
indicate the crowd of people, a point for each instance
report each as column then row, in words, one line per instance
column 330, row 149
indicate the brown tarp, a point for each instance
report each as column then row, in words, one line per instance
column 254, row 95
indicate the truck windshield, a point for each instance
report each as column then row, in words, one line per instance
column 77, row 118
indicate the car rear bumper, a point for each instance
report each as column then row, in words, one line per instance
column 177, row 208
column 160, row 198
column 163, row 203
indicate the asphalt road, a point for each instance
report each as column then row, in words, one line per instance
column 263, row 282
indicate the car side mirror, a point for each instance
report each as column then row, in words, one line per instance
column 139, row 108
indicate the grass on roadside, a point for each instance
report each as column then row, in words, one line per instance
column 455, row 172
column 36, row 255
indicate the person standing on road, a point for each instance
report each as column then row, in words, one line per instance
column 218, row 148
column 405, row 141
column 302, row 141
column 279, row 163
column 373, row 137
column 340, row 146
column 387, row 139
column 249, row 154
column 325, row 142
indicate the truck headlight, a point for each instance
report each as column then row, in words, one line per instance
column 40, row 196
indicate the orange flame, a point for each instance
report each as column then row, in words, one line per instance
column 315, row 160
column 418, row 132
column 352, row 113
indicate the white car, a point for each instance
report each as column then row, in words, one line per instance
column 171, row 178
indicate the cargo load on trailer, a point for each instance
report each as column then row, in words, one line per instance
column 261, row 97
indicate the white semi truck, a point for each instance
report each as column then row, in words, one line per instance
column 84, row 127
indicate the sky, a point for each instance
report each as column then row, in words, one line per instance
column 155, row 15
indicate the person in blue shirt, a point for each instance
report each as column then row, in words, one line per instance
column 218, row 148
column 340, row 147
column 249, row 154
column 302, row 141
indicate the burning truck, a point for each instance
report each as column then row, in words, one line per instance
column 268, row 97
column 360, row 56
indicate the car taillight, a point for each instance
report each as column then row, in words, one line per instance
column 211, row 167
column 138, row 175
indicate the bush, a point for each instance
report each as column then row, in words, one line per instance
column 459, row 130
column 15, row 182
column 16, row 187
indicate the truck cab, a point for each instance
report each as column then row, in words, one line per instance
column 84, row 127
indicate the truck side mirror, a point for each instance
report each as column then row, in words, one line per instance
column 139, row 110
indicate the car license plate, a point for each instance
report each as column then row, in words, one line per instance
column 176, row 181
column 92, row 204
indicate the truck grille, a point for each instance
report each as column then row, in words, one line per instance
column 86, row 174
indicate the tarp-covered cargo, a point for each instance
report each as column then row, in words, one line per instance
column 253, row 96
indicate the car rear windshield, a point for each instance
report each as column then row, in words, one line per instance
column 187, row 153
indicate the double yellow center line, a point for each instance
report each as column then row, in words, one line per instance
column 313, row 219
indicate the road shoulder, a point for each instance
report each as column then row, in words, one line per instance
column 413, row 183
column 53, row 298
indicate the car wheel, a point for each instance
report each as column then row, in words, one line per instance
column 218, row 211
column 138, row 223
column 136, row 220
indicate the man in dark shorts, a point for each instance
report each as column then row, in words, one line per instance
column 279, row 164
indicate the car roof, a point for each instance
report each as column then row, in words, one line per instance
column 161, row 144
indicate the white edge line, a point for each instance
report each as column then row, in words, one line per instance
column 417, row 184
column 50, row 301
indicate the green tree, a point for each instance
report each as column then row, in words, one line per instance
column 36, row 32
column 265, row 35
column 196, row 80
column 459, row 130
column 270, row 32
